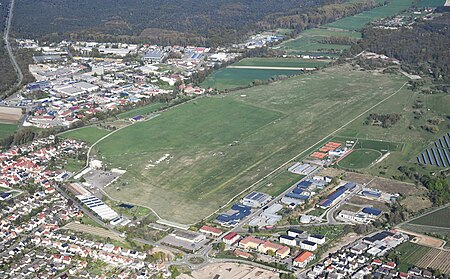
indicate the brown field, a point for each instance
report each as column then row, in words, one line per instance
column 393, row 186
column 93, row 230
column 363, row 201
column 358, row 178
column 423, row 239
column 436, row 259
column 10, row 115
column 414, row 203
column 230, row 271
column 330, row 172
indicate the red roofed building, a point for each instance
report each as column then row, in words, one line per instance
column 377, row 262
column 303, row 259
column 231, row 238
column 390, row 265
column 242, row 254
column 210, row 230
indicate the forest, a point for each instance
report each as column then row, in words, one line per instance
column 422, row 49
column 211, row 23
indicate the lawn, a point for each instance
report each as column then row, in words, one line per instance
column 86, row 134
column 360, row 159
column 230, row 78
column 282, row 62
column 141, row 110
column 409, row 254
column 192, row 159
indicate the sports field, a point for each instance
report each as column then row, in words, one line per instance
column 86, row 134
column 230, row 78
column 194, row 158
column 360, row 159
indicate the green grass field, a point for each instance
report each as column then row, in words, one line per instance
column 440, row 218
column 407, row 132
column 86, row 134
column 430, row 3
column 360, row 159
column 219, row 146
column 409, row 254
column 279, row 183
column 358, row 21
column 310, row 41
column 230, row 78
column 282, row 62
column 7, row 130
column 141, row 110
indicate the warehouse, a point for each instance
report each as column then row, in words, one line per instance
column 256, row 199
column 99, row 207
column 234, row 215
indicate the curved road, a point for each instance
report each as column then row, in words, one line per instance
column 8, row 45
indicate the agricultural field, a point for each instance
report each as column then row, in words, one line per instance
column 360, row 159
column 141, row 111
column 435, row 223
column 193, row 159
column 10, row 115
column 358, row 21
column 310, row 42
column 282, row 62
column 231, row 78
column 7, row 130
column 409, row 254
column 436, row 259
column 86, row 134
column 430, row 3
column 440, row 218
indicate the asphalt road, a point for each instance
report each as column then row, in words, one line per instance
column 8, row 45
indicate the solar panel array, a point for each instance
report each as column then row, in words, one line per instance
column 437, row 154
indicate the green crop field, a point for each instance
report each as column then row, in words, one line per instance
column 358, row 21
column 409, row 254
column 86, row 134
column 282, row 62
column 229, row 78
column 194, row 158
column 431, row 3
column 440, row 218
column 360, row 159
column 141, row 110
column 7, row 130
column 310, row 41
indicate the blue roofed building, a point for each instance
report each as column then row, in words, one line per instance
column 232, row 217
column 372, row 211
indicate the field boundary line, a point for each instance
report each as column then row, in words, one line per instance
column 303, row 152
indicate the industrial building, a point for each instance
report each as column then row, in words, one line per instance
column 232, row 217
column 256, row 199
